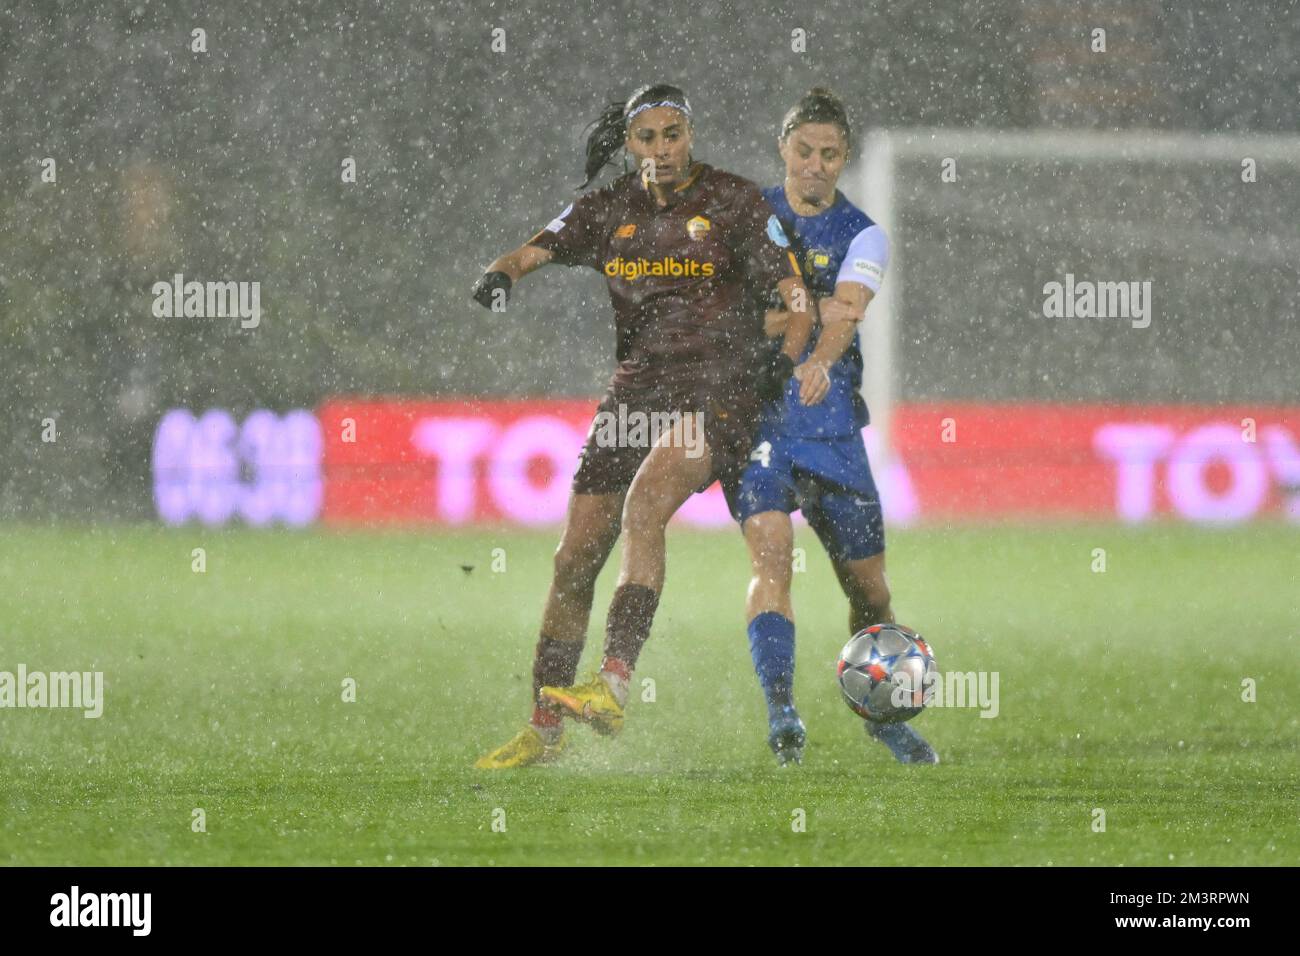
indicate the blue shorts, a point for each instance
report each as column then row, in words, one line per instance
column 829, row 480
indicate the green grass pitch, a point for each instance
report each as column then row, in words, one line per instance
column 1119, row 691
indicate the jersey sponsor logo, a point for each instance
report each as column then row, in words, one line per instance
column 776, row 233
column 556, row 224
column 698, row 227
column 625, row 232
column 866, row 267
column 633, row 269
column 816, row 259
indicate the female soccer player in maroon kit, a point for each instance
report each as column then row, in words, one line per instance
column 687, row 250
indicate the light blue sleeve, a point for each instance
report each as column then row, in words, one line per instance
column 866, row 259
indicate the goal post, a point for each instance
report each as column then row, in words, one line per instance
column 968, row 257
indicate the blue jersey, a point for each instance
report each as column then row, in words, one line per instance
column 841, row 244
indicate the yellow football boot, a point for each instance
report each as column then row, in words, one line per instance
column 523, row 749
column 591, row 702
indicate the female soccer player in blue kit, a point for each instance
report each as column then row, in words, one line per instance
column 811, row 457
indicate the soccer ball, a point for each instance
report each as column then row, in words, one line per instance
column 887, row 673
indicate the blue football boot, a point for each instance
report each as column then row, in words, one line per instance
column 786, row 734
column 903, row 742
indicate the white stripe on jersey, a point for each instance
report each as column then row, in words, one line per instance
column 558, row 223
column 866, row 259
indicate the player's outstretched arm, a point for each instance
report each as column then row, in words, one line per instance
column 840, row 316
column 492, row 291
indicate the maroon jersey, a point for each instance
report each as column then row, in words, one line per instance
column 683, row 278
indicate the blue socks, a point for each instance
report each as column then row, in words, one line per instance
column 771, row 645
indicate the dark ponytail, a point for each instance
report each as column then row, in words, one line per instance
column 609, row 130
column 606, row 136
column 818, row 105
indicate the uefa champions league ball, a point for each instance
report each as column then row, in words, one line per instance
column 887, row 673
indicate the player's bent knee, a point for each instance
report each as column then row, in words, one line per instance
column 770, row 538
column 647, row 509
column 772, row 566
column 877, row 602
column 869, row 597
column 576, row 567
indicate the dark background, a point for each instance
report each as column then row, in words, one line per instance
column 226, row 165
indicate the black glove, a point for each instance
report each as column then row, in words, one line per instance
column 485, row 288
column 772, row 377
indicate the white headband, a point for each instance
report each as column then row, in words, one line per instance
column 684, row 106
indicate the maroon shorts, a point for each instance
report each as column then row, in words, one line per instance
column 628, row 421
